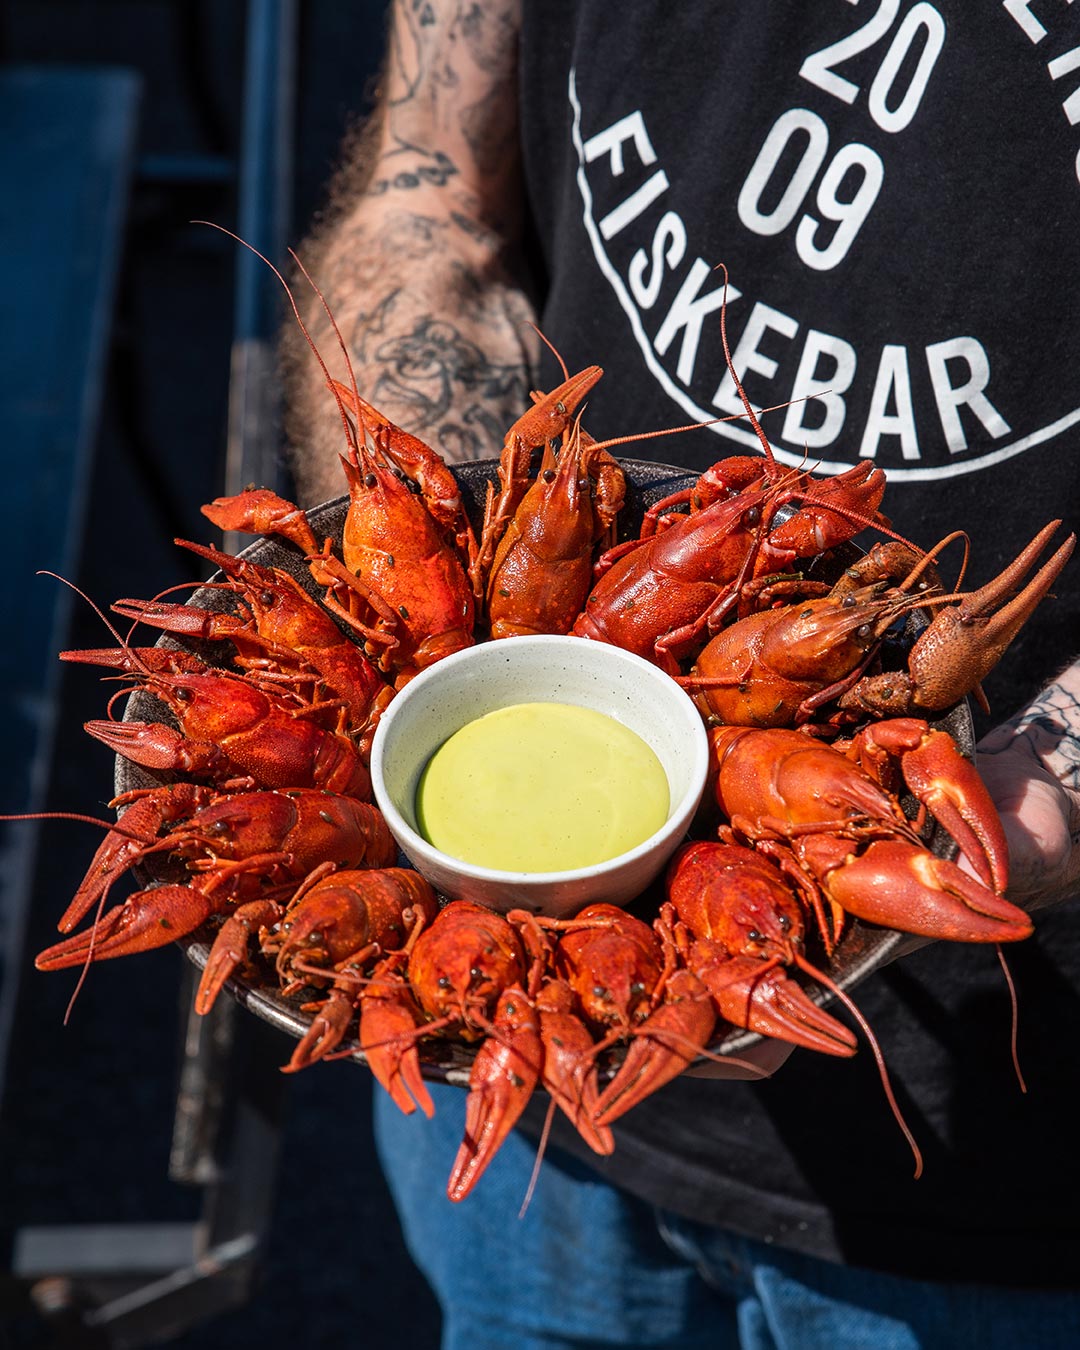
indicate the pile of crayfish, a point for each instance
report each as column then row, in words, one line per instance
column 261, row 834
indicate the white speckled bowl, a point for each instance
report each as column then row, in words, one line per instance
column 462, row 687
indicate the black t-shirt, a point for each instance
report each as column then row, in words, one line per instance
column 894, row 188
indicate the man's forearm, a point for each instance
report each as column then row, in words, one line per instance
column 447, row 359
column 419, row 263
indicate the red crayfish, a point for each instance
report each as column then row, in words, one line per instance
column 330, row 931
column 781, row 666
column 232, row 847
column 835, row 824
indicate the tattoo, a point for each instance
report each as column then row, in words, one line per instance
column 1049, row 727
column 440, row 386
column 451, row 83
column 436, row 174
column 470, row 227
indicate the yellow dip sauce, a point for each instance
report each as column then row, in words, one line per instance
column 541, row 787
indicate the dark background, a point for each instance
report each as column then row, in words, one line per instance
column 88, row 1113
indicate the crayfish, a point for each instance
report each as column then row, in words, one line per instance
column 466, row 972
column 281, row 635
column 836, row 826
column 338, row 922
column 232, row 845
column 780, row 666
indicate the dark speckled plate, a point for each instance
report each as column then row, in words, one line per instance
column 863, row 950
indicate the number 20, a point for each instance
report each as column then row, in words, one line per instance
column 922, row 19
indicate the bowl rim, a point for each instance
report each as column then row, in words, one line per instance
column 680, row 812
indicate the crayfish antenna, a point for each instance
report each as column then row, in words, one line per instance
column 128, row 649
column 879, row 1058
column 552, row 349
column 1015, row 1020
column 350, row 434
column 677, row 431
column 738, row 383
column 541, row 1149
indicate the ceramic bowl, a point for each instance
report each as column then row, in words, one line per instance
column 547, row 669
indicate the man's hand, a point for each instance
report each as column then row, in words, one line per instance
column 1031, row 765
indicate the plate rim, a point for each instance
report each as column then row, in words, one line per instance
column 883, row 945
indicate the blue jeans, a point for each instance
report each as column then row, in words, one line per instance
column 588, row 1265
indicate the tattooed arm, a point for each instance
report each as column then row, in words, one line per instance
column 1031, row 765
column 418, row 257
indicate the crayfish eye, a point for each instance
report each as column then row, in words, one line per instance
column 847, row 602
column 548, row 475
column 753, row 516
column 864, row 631
column 754, row 935
column 266, row 599
column 443, row 981
column 785, row 922
column 370, row 480
column 183, row 694
column 600, row 992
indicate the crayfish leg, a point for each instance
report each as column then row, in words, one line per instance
column 390, row 1022
column 230, row 948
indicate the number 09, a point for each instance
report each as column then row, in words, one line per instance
column 845, row 194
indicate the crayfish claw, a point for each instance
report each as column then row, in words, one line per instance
column 390, row 1022
column 664, row 1045
column 146, row 920
column 965, row 641
column 260, row 511
column 769, row 1002
column 504, row 1074
column 569, row 1072
column 901, row 885
column 230, row 948
column 325, row 1033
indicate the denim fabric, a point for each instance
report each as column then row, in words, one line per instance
column 588, row 1265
